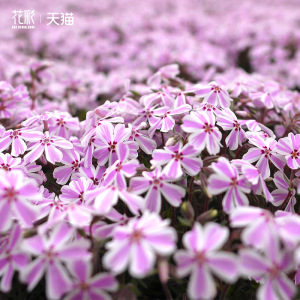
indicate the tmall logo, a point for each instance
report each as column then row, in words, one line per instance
column 24, row 19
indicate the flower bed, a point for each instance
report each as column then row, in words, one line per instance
column 185, row 183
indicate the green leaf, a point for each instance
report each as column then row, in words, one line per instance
column 32, row 74
column 135, row 93
column 145, row 162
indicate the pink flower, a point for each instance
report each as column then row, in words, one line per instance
column 127, row 106
column 282, row 192
column 259, row 129
column 17, row 194
column 52, row 208
column 260, row 226
column 178, row 159
column 213, row 94
column 264, row 152
column 7, row 162
column 227, row 179
column 254, row 176
column 102, row 229
column 162, row 75
column 90, row 146
column 54, row 253
column 47, row 144
column 32, row 170
column 95, row 174
column 72, row 162
column 264, row 97
column 105, row 197
column 208, row 109
column 165, row 117
column 288, row 228
column 145, row 143
column 11, row 257
column 136, row 245
column 76, row 190
column 77, row 214
column 62, row 124
column 227, row 120
column 111, row 137
column 86, row 287
column 16, row 138
column 164, row 98
column 121, row 168
column 240, row 85
column 103, row 120
column 145, row 114
column 157, row 184
column 290, row 148
column 37, row 121
column 270, row 269
column 204, row 133
column 202, row 257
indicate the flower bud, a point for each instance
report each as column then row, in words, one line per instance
column 187, row 210
column 143, row 125
column 241, row 113
column 173, row 140
column 208, row 216
column 163, row 270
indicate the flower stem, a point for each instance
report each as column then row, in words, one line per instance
column 224, row 292
column 162, row 138
column 288, row 196
column 191, row 189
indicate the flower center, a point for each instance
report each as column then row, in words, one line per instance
column 295, row 154
column 75, row 165
column 10, row 194
column 81, row 196
column 208, row 128
column 274, row 271
column 156, row 181
column 236, row 125
column 60, row 122
column 216, row 89
column 136, row 236
column 112, row 146
column 50, row 254
column 166, row 114
column 47, row 141
column 200, row 257
column 234, row 181
column 177, row 156
column 118, row 167
column 149, row 113
column 84, row 286
column 5, row 167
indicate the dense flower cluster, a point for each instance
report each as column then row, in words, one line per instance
column 114, row 40
column 78, row 196
column 186, row 183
